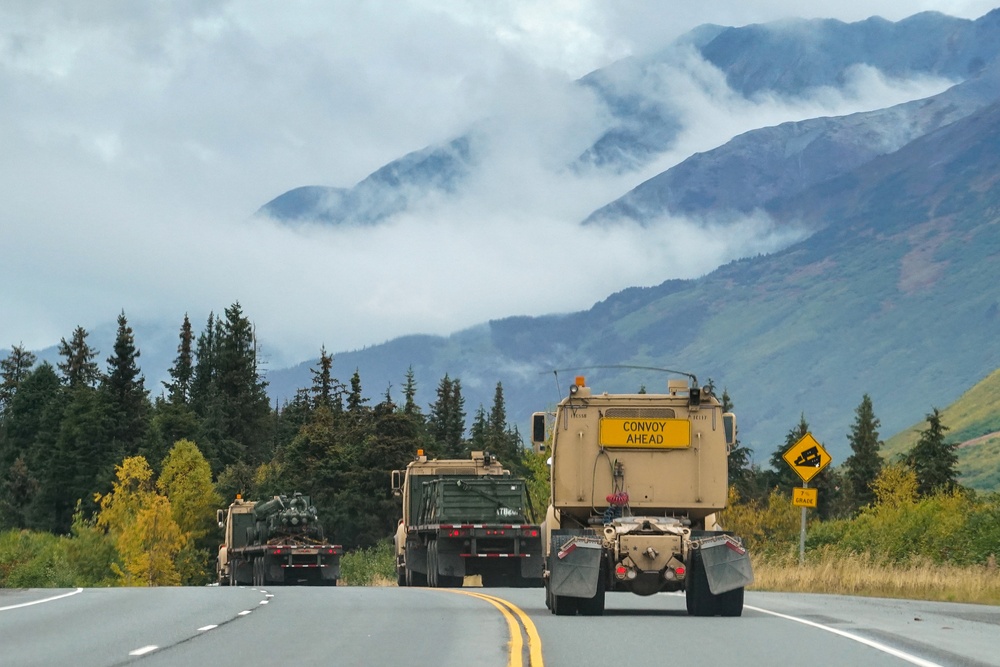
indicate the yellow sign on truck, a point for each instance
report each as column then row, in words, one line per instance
column 646, row 433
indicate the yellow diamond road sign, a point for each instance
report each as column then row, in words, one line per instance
column 807, row 457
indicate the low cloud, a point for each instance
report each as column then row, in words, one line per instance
column 145, row 137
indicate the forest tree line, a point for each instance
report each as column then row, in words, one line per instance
column 78, row 435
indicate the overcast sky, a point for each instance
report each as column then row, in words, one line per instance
column 138, row 138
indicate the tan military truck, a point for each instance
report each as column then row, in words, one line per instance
column 276, row 541
column 636, row 481
column 464, row 517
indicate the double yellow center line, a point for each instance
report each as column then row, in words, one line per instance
column 516, row 619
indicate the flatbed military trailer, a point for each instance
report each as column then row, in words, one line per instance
column 636, row 482
column 278, row 541
column 464, row 517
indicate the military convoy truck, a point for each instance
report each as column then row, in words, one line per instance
column 464, row 517
column 636, row 482
column 277, row 541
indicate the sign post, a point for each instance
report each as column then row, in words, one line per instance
column 807, row 458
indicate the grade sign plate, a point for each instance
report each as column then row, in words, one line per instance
column 645, row 433
column 804, row 497
column 807, row 457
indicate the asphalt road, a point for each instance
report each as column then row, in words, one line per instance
column 476, row 626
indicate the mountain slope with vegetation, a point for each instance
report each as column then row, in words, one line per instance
column 973, row 423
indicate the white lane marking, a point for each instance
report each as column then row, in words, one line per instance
column 245, row 612
column 207, row 627
column 54, row 597
column 902, row 655
column 264, row 601
column 144, row 650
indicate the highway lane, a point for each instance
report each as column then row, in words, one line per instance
column 102, row 626
column 382, row 626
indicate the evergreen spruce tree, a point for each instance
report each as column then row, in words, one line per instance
column 174, row 417
column 205, row 369
column 78, row 366
column 124, row 390
column 410, row 406
column 291, row 417
column 446, row 423
column 83, row 457
column 31, row 424
column 14, row 368
column 456, row 421
column 182, row 372
column 479, row 431
column 355, row 401
column 933, row 459
column 864, row 465
column 229, row 395
column 326, row 389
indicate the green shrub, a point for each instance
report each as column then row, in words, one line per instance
column 375, row 566
column 33, row 560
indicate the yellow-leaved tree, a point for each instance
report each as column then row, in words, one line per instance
column 186, row 480
column 139, row 521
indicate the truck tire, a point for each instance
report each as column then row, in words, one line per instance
column 564, row 606
column 730, row 603
column 432, row 565
column 593, row 606
column 700, row 601
column 400, row 576
column 415, row 578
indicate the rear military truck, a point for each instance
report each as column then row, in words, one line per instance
column 636, row 482
column 464, row 517
column 277, row 541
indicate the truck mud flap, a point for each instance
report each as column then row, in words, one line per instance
column 726, row 562
column 574, row 565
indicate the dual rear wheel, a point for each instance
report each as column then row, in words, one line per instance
column 699, row 597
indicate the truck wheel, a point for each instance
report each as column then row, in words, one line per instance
column 564, row 606
column 593, row 606
column 432, row 565
column 401, row 576
column 415, row 578
column 700, row 601
column 731, row 602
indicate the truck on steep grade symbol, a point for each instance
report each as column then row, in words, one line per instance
column 636, row 482
column 277, row 541
column 464, row 517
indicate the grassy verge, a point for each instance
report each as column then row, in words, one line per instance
column 375, row 566
column 865, row 575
